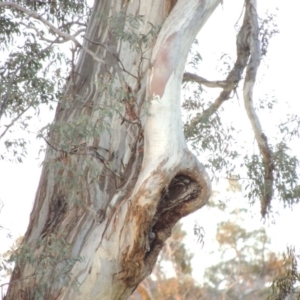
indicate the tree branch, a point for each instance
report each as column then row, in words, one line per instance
column 248, row 55
column 187, row 77
column 57, row 40
column 251, row 21
column 229, row 84
column 118, row 68
column 13, row 121
column 66, row 36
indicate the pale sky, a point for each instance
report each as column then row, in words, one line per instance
column 280, row 76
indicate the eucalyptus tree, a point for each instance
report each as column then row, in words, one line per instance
column 117, row 174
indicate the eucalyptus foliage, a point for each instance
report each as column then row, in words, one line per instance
column 34, row 65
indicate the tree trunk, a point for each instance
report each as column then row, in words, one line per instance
column 117, row 174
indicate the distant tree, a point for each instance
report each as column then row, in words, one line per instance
column 172, row 273
column 247, row 266
column 287, row 285
column 244, row 269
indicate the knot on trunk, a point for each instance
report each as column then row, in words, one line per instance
column 172, row 206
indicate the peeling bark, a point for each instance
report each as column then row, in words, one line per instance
column 111, row 197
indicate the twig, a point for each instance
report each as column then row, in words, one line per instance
column 113, row 54
column 14, row 120
column 118, row 68
column 89, row 151
column 57, row 40
column 136, row 122
column 15, row 281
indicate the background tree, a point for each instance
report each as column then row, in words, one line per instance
column 286, row 286
column 247, row 266
column 172, row 273
column 118, row 174
column 243, row 265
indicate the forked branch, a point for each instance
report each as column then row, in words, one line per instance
column 232, row 80
column 248, row 56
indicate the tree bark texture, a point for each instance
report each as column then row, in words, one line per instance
column 117, row 174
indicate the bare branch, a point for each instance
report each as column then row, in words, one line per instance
column 248, row 55
column 58, row 40
column 65, row 36
column 230, row 83
column 251, row 21
column 69, row 24
column 134, row 122
column 196, row 78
